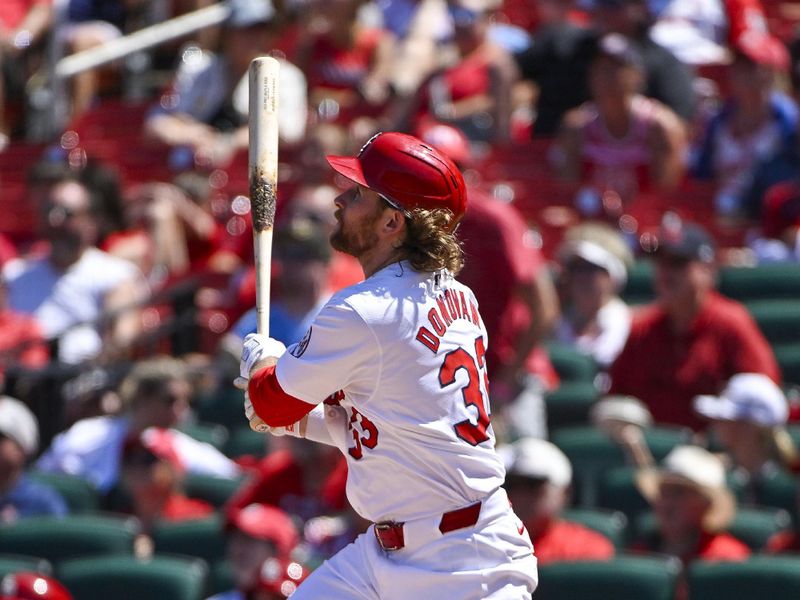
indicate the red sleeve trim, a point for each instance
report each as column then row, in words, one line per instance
column 275, row 407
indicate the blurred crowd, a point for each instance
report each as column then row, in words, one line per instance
column 632, row 239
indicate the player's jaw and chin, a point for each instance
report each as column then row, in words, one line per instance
column 356, row 236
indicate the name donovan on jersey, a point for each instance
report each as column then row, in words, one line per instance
column 450, row 306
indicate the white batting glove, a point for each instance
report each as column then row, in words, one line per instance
column 257, row 348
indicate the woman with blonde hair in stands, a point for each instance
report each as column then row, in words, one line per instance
column 594, row 260
column 747, row 419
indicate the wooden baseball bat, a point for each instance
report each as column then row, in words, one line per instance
column 263, row 165
column 263, row 171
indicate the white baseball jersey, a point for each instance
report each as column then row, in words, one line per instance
column 403, row 353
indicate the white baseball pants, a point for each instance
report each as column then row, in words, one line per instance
column 491, row 560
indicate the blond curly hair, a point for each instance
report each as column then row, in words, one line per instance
column 431, row 243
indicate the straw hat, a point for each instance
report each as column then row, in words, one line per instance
column 697, row 468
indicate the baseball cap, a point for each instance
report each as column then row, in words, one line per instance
column 600, row 245
column 18, row 423
column 620, row 49
column 751, row 397
column 446, row 139
column 698, row 468
column 152, row 445
column 763, row 49
column 246, row 13
column 268, row 523
column 27, row 585
column 536, row 459
column 682, row 240
column 781, row 209
column 623, row 409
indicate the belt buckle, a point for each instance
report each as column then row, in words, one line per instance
column 389, row 526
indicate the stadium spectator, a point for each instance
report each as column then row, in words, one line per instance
column 621, row 140
column 27, row 585
column 155, row 393
column 780, row 225
column 558, row 61
column 692, row 506
column 756, row 122
column 346, row 61
column 165, row 226
column 558, row 64
column 101, row 179
column 20, row 495
column 21, row 340
column 666, row 79
column 594, row 259
column 24, row 25
column 421, row 29
column 302, row 478
column 303, row 254
column 89, row 24
column 519, row 303
column 80, row 296
column 692, row 340
column 205, row 108
column 747, row 420
column 538, row 481
column 315, row 203
column 695, row 31
column 473, row 94
column 256, row 533
column 151, row 472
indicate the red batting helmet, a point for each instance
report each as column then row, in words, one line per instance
column 26, row 585
column 407, row 172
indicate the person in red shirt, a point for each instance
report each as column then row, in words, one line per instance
column 692, row 506
column 515, row 291
column 258, row 534
column 692, row 340
column 538, row 482
column 346, row 62
column 152, row 473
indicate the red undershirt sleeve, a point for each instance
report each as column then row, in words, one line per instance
column 275, row 407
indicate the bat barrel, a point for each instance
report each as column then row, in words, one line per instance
column 263, row 171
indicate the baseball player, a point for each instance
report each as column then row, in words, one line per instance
column 399, row 360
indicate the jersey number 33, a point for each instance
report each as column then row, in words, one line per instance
column 473, row 396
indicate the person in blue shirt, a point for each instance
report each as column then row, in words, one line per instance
column 20, row 495
column 303, row 256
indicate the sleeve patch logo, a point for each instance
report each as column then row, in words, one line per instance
column 300, row 347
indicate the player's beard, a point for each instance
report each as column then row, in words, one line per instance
column 355, row 239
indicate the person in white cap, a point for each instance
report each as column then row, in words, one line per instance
column 692, row 506
column 538, row 483
column 748, row 418
column 21, row 496
column 595, row 261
